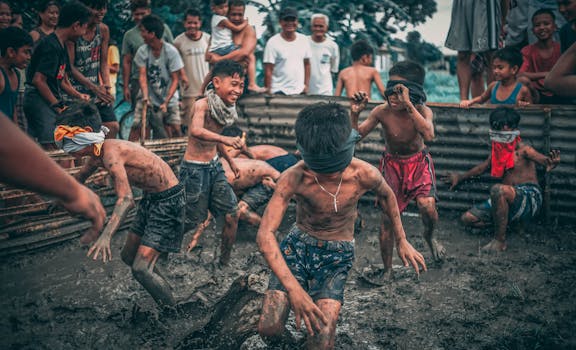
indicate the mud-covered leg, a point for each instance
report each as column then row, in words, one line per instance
column 130, row 248
column 198, row 233
column 143, row 270
column 468, row 219
column 501, row 196
column 386, row 245
column 325, row 339
column 228, row 237
column 429, row 215
column 246, row 214
column 275, row 311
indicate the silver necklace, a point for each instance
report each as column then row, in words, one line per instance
column 330, row 194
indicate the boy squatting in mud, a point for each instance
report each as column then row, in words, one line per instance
column 311, row 265
column 406, row 164
column 201, row 171
column 519, row 197
column 158, row 225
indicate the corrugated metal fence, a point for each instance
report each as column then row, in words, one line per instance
column 461, row 142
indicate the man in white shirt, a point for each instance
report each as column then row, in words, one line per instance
column 192, row 45
column 325, row 57
column 287, row 58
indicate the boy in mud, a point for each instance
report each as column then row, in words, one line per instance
column 406, row 163
column 254, row 184
column 158, row 225
column 360, row 75
column 519, row 197
column 311, row 264
column 201, row 170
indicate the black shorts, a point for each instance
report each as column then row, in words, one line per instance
column 160, row 219
column 256, row 196
column 41, row 118
column 106, row 113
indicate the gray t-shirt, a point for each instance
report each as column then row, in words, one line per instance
column 133, row 40
column 158, row 70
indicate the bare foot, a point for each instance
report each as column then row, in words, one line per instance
column 377, row 276
column 494, row 246
column 438, row 251
column 256, row 89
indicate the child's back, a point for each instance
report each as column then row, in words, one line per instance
column 361, row 74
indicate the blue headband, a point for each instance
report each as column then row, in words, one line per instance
column 333, row 162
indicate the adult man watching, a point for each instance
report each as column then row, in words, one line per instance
column 287, row 58
column 325, row 57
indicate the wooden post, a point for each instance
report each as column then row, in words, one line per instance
column 143, row 123
column 546, row 134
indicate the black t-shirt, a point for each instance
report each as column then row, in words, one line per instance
column 567, row 37
column 51, row 59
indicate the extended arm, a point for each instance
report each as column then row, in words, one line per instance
column 226, row 23
column 142, row 79
column 455, row 178
column 562, row 78
column 422, row 116
column 479, row 99
column 171, row 90
column 550, row 161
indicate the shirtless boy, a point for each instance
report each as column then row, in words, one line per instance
column 406, row 164
column 361, row 74
column 519, row 197
column 201, row 171
column 311, row 265
column 254, row 184
column 158, row 225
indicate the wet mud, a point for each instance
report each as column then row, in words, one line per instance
column 521, row 299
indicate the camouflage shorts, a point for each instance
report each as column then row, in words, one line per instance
column 321, row 267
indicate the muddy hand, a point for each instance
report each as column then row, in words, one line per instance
column 305, row 310
column 358, row 101
column 236, row 142
column 553, row 159
column 102, row 246
column 402, row 92
column 87, row 204
column 451, row 179
column 411, row 256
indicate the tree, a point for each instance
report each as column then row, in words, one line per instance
column 351, row 20
column 421, row 51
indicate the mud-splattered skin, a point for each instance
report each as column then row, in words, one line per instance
column 261, row 152
column 524, row 171
column 252, row 172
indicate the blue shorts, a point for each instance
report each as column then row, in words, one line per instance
column 206, row 189
column 257, row 196
column 282, row 163
column 525, row 207
column 160, row 219
column 321, row 267
column 223, row 51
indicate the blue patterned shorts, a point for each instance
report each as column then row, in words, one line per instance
column 321, row 267
column 525, row 207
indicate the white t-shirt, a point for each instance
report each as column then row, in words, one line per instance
column 324, row 61
column 221, row 37
column 288, row 60
column 193, row 54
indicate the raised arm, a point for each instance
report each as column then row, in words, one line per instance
column 549, row 162
column 421, row 116
column 301, row 303
column 453, row 179
column 562, row 78
column 123, row 204
column 387, row 201
column 198, row 130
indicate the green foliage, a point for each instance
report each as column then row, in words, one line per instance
column 419, row 50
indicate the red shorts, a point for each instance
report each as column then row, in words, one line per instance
column 409, row 177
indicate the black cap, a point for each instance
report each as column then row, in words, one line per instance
column 288, row 12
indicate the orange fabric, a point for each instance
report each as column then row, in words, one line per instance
column 502, row 157
column 68, row 131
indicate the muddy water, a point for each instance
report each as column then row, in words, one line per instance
column 522, row 299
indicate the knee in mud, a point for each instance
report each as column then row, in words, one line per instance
column 496, row 191
column 269, row 330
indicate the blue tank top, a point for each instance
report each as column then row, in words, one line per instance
column 9, row 96
column 87, row 60
column 510, row 100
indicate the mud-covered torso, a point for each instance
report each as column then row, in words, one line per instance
column 200, row 150
column 524, row 170
column 400, row 133
column 251, row 173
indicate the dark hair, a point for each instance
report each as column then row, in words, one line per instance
column 409, row 70
column 95, row 4
column 218, row 2
column 192, row 13
column 544, row 12
column 323, row 127
column 153, row 24
column 227, row 68
column 43, row 5
column 15, row 38
column 232, row 131
column 361, row 48
column 236, row 3
column 139, row 4
column 73, row 12
column 504, row 116
column 510, row 55
column 81, row 114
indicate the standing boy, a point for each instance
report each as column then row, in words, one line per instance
column 48, row 71
column 311, row 264
column 519, row 197
column 158, row 225
column 159, row 64
column 15, row 47
column 201, row 171
column 89, row 58
column 361, row 75
column 406, row 163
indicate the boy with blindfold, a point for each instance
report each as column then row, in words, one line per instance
column 406, row 163
column 158, row 225
column 311, row 264
column 519, row 197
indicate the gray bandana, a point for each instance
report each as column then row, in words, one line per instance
column 219, row 111
column 504, row 136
